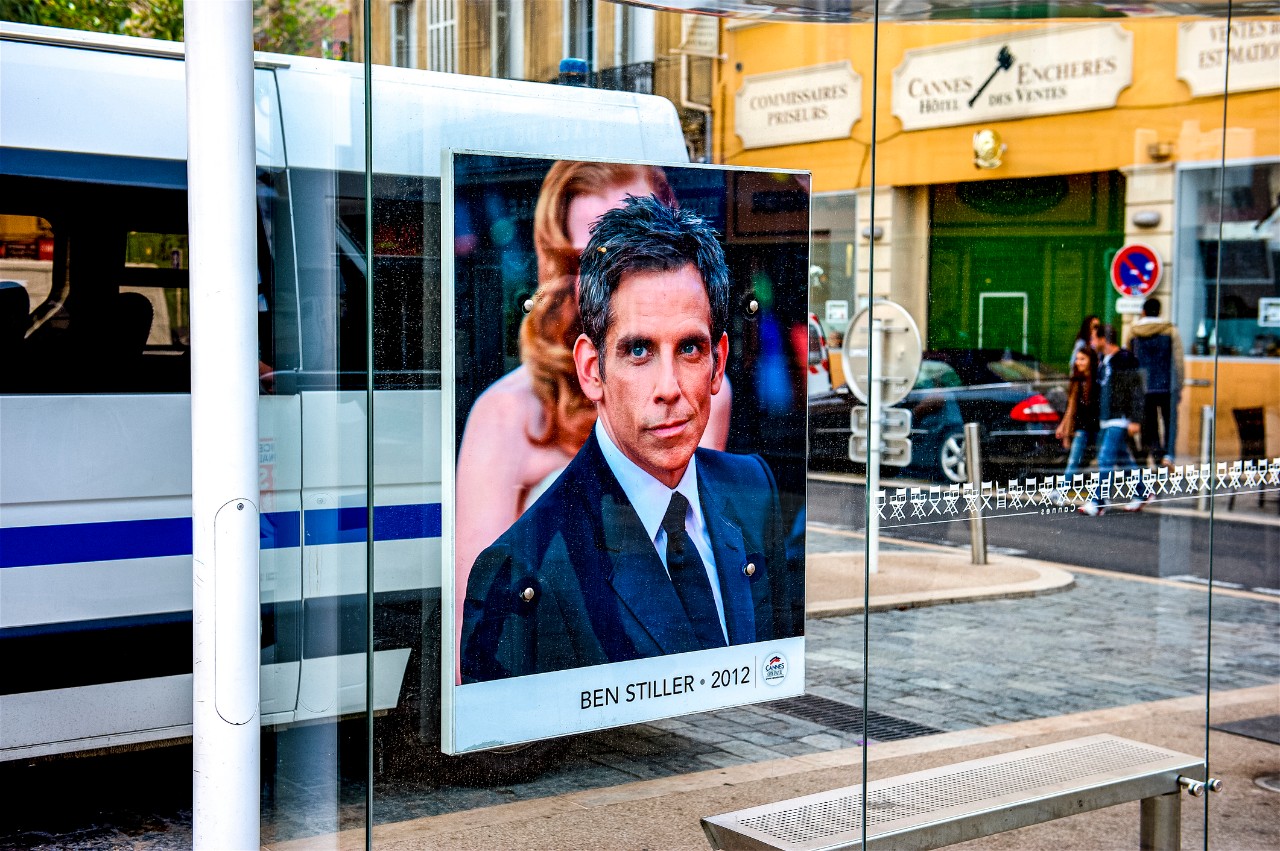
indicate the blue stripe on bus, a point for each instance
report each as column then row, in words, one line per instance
column 26, row 546
column 390, row 523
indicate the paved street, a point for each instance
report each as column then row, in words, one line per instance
column 1109, row 641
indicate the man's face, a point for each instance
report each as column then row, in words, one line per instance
column 661, row 369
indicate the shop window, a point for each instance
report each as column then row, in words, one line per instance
column 1228, row 269
column 832, row 291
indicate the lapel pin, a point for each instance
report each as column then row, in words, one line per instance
column 527, row 595
column 750, row 569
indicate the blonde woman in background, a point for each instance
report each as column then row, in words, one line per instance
column 524, row 429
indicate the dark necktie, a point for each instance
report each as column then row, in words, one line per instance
column 689, row 576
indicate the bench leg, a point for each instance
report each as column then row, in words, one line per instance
column 1161, row 828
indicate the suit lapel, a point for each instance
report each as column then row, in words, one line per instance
column 730, row 553
column 634, row 570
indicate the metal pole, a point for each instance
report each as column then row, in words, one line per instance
column 1160, row 823
column 1207, row 426
column 224, row 424
column 973, row 463
column 874, row 412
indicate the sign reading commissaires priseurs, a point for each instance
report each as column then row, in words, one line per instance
column 623, row 435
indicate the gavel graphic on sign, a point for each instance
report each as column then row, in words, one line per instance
column 1004, row 61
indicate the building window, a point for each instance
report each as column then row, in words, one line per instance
column 633, row 35
column 442, row 35
column 403, row 40
column 579, row 30
column 506, row 28
column 1228, row 259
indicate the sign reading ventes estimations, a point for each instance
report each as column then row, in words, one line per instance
column 802, row 105
column 1015, row 75
column 1254, row 54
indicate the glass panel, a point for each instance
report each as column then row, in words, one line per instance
column 96, row 419
column 313, row 415
column 995, row 187
column 1228, row 221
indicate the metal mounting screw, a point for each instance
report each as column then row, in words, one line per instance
column 1194, row 787
column 239, row 506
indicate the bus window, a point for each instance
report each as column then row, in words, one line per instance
column 170, row 305
column 406, row 322
column 26, row 280
column 26, row 255
column 108, row 313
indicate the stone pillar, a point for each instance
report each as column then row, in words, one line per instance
column 1149, row 219
column 901, row 256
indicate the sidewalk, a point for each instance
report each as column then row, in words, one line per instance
column 664, row 813
column 917, row 575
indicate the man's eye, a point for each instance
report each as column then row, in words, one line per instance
column 689, row 349
column 638, row 350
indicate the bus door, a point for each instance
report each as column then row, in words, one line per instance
column 279, row 452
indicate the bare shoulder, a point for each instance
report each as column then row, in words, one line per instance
column 510, row 397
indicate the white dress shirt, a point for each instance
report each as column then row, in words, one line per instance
column 650, row 498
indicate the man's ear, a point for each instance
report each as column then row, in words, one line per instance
column 722, row 356
column 587, row 361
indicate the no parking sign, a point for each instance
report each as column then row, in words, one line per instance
column 1135, row 270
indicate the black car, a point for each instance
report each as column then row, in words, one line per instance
column 1016, row 401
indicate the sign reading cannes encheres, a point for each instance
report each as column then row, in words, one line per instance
column 1254, row 55
column 1015, row 75
column 802, row 105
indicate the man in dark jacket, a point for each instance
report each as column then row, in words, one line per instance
column 1156, row 345
column 1121, row 395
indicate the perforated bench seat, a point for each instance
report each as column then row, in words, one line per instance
column 956, row 803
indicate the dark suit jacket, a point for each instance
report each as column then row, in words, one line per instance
column 599, row 591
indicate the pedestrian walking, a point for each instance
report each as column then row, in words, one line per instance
column 1121, row 394
column 1084, row 337
column 1158, row 348
column 1079, row 427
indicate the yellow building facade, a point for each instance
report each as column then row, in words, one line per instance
column 986, row 174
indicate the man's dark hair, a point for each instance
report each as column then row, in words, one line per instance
column 646, row 235
column 1151, row 307
column 1108, row 332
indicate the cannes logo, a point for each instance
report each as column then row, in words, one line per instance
column 775, row 669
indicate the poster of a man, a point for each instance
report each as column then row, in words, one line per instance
column 656, row 562
column 645, row 545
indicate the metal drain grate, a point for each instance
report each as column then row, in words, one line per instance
column 848, row 719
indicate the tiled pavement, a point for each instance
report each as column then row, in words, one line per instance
column 1110, row 641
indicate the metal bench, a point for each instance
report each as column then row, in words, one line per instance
column 956, row 803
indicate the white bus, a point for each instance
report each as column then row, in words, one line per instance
column 95, row 452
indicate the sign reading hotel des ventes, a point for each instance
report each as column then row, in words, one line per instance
column 1014, row 75
column 800, row 105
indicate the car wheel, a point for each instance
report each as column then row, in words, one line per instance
column 951, row 458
